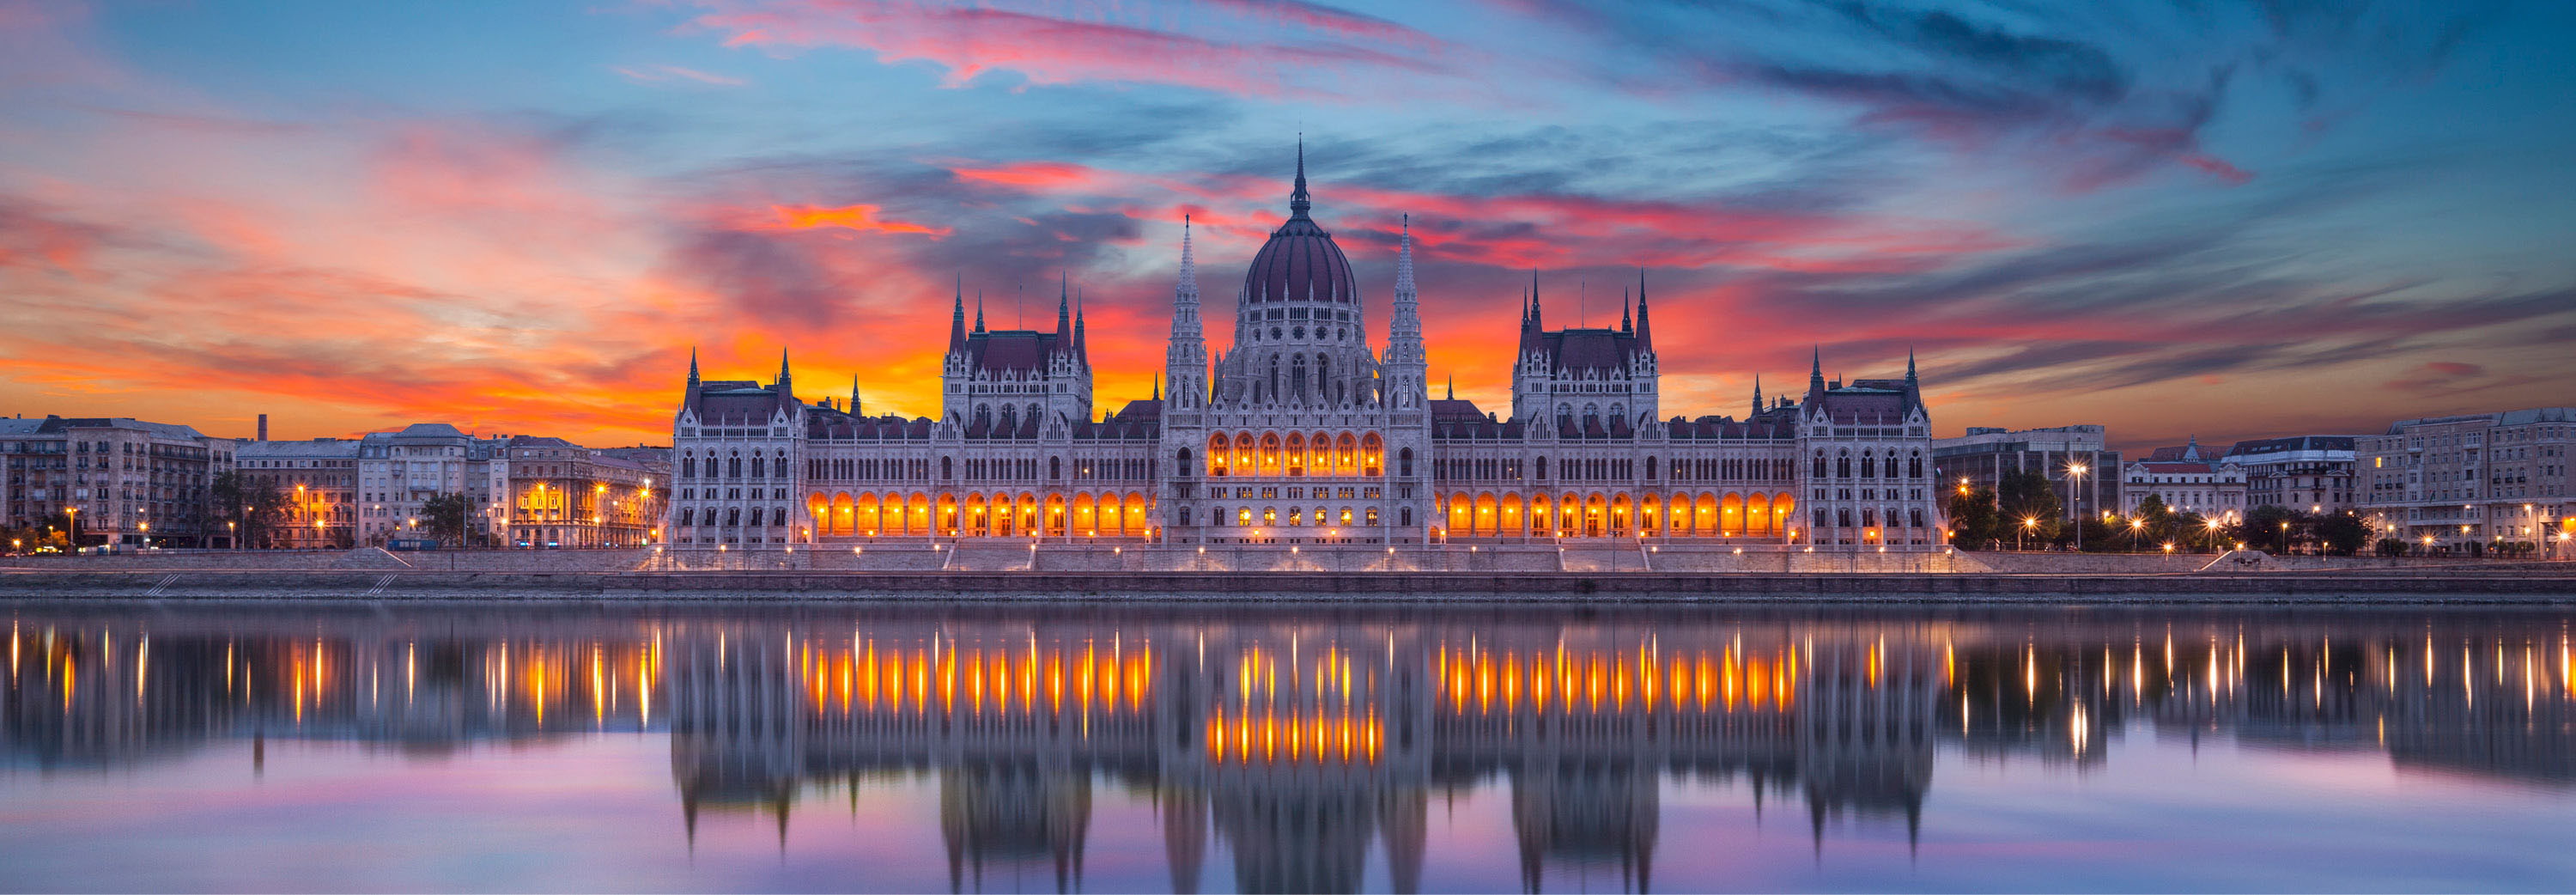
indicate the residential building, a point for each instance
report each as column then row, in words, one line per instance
column 564, row 495
column 2468, row 483
column 2213, row 490
column 1985, row 455
column 2307, row 473
column 117, row 480
column 318, row 479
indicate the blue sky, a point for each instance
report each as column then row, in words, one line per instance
column 2229, row 219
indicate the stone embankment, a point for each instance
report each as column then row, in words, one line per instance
column 1517, row 573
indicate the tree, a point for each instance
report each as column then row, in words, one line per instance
column 2030, row 502
column 2391, row 547
column 443, row 515
column 1972, row 517
column 2341, row 534
column 253, row 505
column 2264, row 525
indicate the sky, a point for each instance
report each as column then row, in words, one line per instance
column 2202, row 218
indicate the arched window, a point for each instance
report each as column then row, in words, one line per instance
column 1182, row 461
column 1914, row 466
column 1403, row 516
column 757, row 467
column 1055, row 467
column 1542, row 469
column 687, row 515
column 1372, row 517
column 1820, row 465
column 947, row 468
column 1868, row 465
column 689, row 467
column 1404, row 462
column 1842, row 466
column 1274, row 377
column 1650, row 469
column 733, row 516
column 733, row 467
column 1297, row 371
column 984, row 417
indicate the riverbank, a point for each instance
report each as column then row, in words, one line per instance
column 2498, row 586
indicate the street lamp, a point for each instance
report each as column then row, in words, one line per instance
column 2027, row 524
column 2075, row 473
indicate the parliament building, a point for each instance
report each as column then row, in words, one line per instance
column 1301, row 433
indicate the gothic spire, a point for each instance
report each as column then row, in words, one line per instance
column 1757, row 394
column 1909, row 369
column 693, row 366
column 957, row 318
column 979, row 310
column 786, row 384
column 1625, row 324
column 1815, row 370
column 1453, row 386
column 1404, row 259
column 1645, row 332
column 854, row 394
column 1158, row 386
column 1064, row 309
column 1081, row 344
column 1298, row 201
column 1536, row 315
column 1189, row 264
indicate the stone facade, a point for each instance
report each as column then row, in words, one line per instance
column 563, row 495
column 2307, row 473
column 2468, row 483
column 1301, row 434
column 121, row 481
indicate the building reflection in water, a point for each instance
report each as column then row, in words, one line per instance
column 1308, row 747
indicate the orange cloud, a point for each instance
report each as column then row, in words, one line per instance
column 850, row 217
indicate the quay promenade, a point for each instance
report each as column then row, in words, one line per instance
column 1538, row 573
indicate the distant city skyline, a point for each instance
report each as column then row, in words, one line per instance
column 2231, row 221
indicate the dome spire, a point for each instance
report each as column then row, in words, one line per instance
column 1298, row 201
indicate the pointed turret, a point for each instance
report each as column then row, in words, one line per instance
column 1081, row 344
column 784, row 379
column 1298, row 201
column 1910, row 381
column 1453, row 387
column 855, row 408
column 1626, row 324
column 1064, row 311
column 1158, row 386
column 1757, row 394
column 693, row 368
column 979, row 310
column 1185, row 356
column 1539, row 318
column 1645, row 330
column 1404, row 360
column 1815, row 372
column 957, row 318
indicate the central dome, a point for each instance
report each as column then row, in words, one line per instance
column 1300, row 260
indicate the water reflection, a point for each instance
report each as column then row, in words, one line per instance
column 1302, row 747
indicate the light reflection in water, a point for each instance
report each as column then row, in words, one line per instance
column 1302, row 747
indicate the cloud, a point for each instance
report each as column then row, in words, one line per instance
column 862, row 218
column 664, row 74
column 1324, row 52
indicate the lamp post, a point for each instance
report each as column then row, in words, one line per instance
column 232, row 533
column 74, row 513
column 2027, row 524
column 2075, row 475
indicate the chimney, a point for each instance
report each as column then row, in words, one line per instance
column 263, row 427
